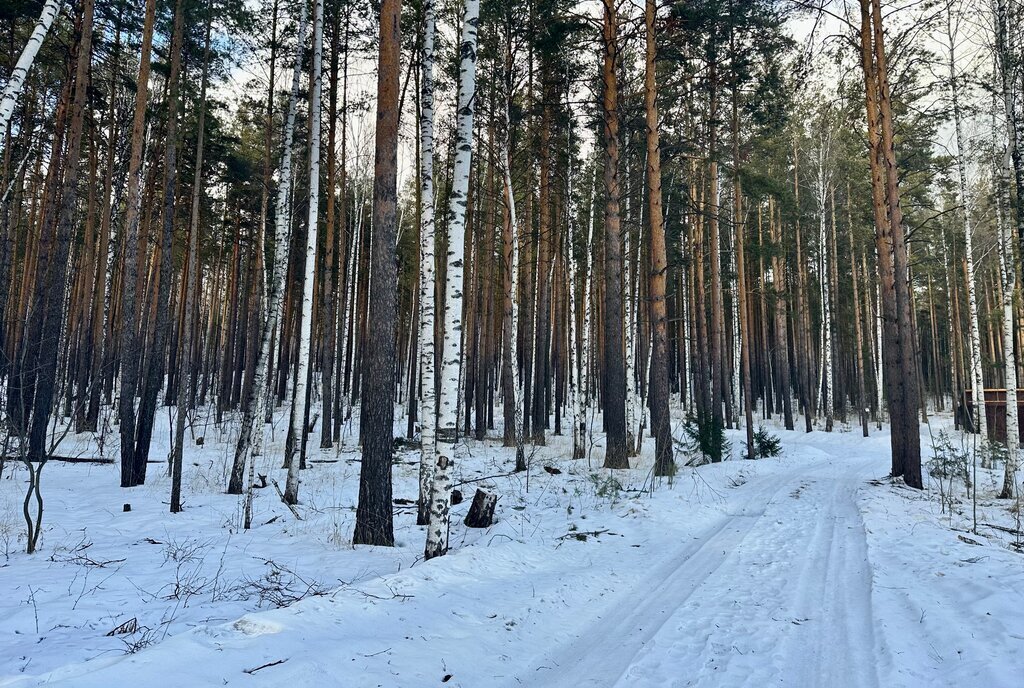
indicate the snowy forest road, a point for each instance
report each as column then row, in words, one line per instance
column 802, row 571
column 777, row 592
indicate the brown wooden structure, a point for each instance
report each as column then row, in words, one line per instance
column 995, row 412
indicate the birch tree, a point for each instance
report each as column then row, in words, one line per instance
column 451, row 355
column 1008, row 276
column 822, row 190
column 1006, row 61
column 300, row 398
column 977, row 379
column 16, row 82
column 428, row 394
column 249, row 447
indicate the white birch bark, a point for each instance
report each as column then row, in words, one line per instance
column 878, row 360
column 630, row 332
column 1008, row 274
column 348, row 318
column 575, row 396
column 1007, row 262
column 735, row 403
column 428, row 395
column 250, row 439
column 451, row 355
column 629, row 325
column 300, row 400
column 824, row 182
column 16, row 83
column 684, row 250
column 977, row 377
column 512, row 264
column 586, row 393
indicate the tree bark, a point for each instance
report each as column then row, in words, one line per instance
column 451, row 358
column 374, row 525
column 657, row 255
column 614, row 388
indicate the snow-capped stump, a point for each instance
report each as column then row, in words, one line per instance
column 481, row 511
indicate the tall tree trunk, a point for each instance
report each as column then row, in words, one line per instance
column 1008, row 63
column 909, row 439
column 249, row 447
column 512, row 408
column 300, row 399
column 824, row 184
column 614, row 388
column 900, row 347
column 53, row 276
column 332, row 271
column 185, row 377
column 980, row 421
column 451, row 358
column 374, row 525
column 427, row 286
column 657, row 255
column 130, row 352
column 857, row 322
column 156, row 355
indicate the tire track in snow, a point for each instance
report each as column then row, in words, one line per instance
column 837, row 644
column 604, row 649
column 778, row 593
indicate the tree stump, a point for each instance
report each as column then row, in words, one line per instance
column 481, row 511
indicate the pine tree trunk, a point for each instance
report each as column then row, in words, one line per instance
column 156, row 355
column 185, row 377
column 130, row 352
column 857, row 323
column 614, row 387
column 374, row 524
column 332, row 271
column 659, row 373
column 52, row 277
column 781, row 350
column 899, row 347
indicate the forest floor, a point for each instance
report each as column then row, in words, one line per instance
column 810, row 569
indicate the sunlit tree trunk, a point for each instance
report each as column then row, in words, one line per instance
column 658, row 391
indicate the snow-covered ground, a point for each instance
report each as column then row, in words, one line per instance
column 810, row 569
